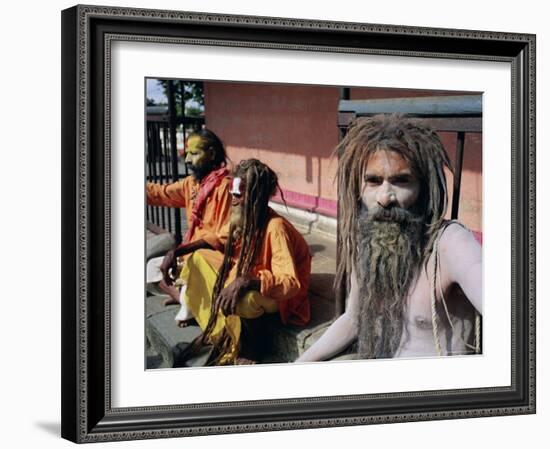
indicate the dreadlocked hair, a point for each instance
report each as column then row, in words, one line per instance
column 420, row 146
column 260, row 184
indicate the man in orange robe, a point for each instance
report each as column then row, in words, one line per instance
column 265, row 268
column 205, row 197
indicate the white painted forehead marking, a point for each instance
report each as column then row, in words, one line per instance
column 236, row 185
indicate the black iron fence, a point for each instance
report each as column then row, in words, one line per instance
column 166, row 134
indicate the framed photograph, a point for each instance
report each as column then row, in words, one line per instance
column 267, row 158
column 291, row 129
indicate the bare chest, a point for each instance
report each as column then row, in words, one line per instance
column 446, row 327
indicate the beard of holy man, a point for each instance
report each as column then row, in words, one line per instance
column 200, row 171
column 236, row 221
column 388, row 262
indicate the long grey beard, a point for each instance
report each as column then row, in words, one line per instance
column 388, row 261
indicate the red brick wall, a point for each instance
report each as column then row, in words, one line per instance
column 470, row 207
column 293, row 129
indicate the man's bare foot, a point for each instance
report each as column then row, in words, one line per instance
column 172, row 291
column 170, row 301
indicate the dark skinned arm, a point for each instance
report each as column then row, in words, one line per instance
column 187, row 248
column 230, row 295
column 170, row 259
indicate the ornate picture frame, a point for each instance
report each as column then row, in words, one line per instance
column 88, row 33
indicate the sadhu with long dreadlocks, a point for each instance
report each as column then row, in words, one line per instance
column 413, row 278
column 265, row 267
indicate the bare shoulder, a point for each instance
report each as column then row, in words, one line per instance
column 461, row 262
column 460, row 254
column 457, row 237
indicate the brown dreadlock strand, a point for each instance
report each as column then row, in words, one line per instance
column 421, row 147
column 261, row 183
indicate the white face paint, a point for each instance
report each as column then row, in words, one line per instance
column 236, row 186
column 236, row 218
column 389, row 180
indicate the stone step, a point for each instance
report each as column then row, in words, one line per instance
column 164, row 338
column 290, row 341
column 166, row 341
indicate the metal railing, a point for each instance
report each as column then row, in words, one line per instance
column 461, row 114
column 163, row 164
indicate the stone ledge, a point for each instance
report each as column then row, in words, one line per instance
column 307, row 220
column 289, row 342
column 163, row 335
column 167, row 340
column 159, row 244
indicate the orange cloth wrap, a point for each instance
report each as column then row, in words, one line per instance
column 284, row 269
column 215, row 215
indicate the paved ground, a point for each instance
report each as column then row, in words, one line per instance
column 166, row 340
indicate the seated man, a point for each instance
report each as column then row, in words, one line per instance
column 265, row 267
column 414, row 279
column 205, row 197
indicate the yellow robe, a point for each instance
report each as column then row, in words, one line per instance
column 283, row 267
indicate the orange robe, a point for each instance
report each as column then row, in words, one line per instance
column 215, row 213
column 283, row 267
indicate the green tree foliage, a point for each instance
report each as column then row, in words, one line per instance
column 192, row 93
column 192, row 111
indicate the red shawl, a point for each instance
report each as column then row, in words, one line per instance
column 207, row 185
